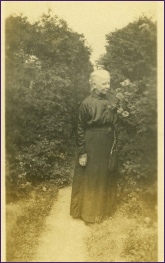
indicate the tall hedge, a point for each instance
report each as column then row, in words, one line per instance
column 47, row 72
column 131, row 59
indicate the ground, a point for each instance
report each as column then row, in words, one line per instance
column 40, row 229
column 63, row 238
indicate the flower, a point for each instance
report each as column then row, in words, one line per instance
column 118, row 89
column 125, row 83
column 120, row 110
column 111, row 107
column 125, row 113
column 119, row 96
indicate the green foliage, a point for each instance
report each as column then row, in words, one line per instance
column 131, row 59
column 131, row 51
column 47, row 72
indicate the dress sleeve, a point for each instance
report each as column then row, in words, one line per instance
column 113, row 116
column 81, row 127
column 113, row 109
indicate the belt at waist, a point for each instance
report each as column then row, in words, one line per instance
column 101, row 128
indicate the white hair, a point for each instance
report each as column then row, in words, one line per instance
column 99, row 73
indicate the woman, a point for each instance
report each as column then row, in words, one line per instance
column 94, row 184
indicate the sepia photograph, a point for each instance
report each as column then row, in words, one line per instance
column 82, row 131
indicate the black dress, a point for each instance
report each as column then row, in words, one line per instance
column 94, row 188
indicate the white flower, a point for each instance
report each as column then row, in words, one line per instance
column 111, row 107
column 118, row 89
column 125, row 83
column 119, row 96
column 125, row 113
column 21, row 164
column 120, row 110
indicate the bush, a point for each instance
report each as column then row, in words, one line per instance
column 47, row 72
column 131, row 59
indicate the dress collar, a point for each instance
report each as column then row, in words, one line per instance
column 99, row 96
column 110, row 97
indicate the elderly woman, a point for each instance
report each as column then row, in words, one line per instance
column 94, row 184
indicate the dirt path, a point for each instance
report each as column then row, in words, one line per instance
column 64, row 238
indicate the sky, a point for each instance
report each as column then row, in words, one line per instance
column 94, row 19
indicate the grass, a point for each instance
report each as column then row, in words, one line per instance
column 131, row 235
column 25, row 219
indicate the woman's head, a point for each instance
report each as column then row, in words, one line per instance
column 100, row 81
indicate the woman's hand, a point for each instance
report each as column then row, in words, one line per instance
column 83, row 159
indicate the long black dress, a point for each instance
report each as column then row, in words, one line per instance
column 94, row 188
